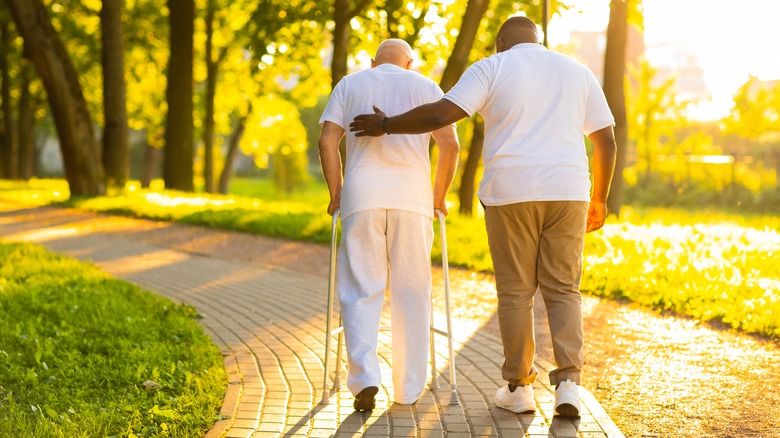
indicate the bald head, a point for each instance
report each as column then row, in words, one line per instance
column 516, row 30
column 393, row 51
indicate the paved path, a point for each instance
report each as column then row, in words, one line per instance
column 269, row 323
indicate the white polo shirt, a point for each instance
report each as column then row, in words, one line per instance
column 537, row 105
column 392, row 171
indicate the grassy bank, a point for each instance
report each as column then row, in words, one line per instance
column 708, row 265
column 76, row 347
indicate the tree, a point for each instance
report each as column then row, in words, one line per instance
column 146, row 53
column 458, row 60
column 276, row 137
column 653, row 114
column 621, row 14
column 755, row 119
column 179, row 128
column 26, row 126
column 9, row 140
column 404, row 23
column 342, row 14
column 212, row 66
column 755, row 115
column 232, row 151
column 116, row 141
column 42, row 45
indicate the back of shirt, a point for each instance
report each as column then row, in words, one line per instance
column 392, row 171
column 537, row 105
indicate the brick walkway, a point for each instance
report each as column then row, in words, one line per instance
column 269, row 323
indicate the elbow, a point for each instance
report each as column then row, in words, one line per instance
column 322, row 145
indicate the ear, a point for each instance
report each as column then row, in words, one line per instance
column 499, row 45
column 373, row 63
column 409, row 64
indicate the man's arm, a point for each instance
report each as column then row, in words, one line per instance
column 424, row 118
column 447, row 140
column 604, row 150
column 330, row 160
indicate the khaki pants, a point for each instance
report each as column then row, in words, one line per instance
column 538, row 244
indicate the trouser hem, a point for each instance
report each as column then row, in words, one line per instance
column 558, row 378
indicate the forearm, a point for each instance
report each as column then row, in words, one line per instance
column 419, row 120
column 422, row 119
column 604, row 152
column 330, row 160
column 446, row 165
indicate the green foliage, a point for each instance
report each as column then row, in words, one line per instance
column 77, row 347
column 677, row 160
column 275, row 135
column 35, row 191
column 710, row 265
column 755, row 116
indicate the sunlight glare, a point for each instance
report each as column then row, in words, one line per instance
column 176, row 201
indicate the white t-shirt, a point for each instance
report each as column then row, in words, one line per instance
column 392, row 171
column 537, row 104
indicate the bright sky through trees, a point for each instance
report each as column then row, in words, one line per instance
column 732, row 39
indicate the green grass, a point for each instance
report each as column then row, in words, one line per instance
column 315, row 193
column 76, row 347
column 710, row 265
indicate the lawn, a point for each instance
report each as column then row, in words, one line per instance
column 83, row 354
column 705, row 264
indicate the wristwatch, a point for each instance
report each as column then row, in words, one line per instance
column 383, row 125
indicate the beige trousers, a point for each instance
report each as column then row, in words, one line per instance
column 538, row 245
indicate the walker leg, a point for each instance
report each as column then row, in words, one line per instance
column 329, row 313
column 446, row 270
column 337, row 380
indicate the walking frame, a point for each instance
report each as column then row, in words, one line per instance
column 330, row 332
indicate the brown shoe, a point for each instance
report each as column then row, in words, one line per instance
column 364, row 401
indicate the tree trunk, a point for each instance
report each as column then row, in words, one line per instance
column 9, row 146
column 338, row 65
column 211, row 91
column 230, row 158
column 342, row 14
column 116, row 141
column 393, row 9
column 614, row 72
column 149, row 165
column 459, row 57
column 26, row 127
column 179, row 128
column 467, row 180
column 42, row 45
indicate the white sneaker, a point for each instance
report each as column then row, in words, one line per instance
column 522, row 400
column 567, row 399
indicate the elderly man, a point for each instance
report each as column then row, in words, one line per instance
column 387, row 209
column 537, row 104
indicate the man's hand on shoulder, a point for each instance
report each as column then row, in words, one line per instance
column 369, row 125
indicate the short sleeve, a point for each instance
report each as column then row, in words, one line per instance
column 597, row 112
column 436, row 92
column 334, row 111
column 471, row 91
